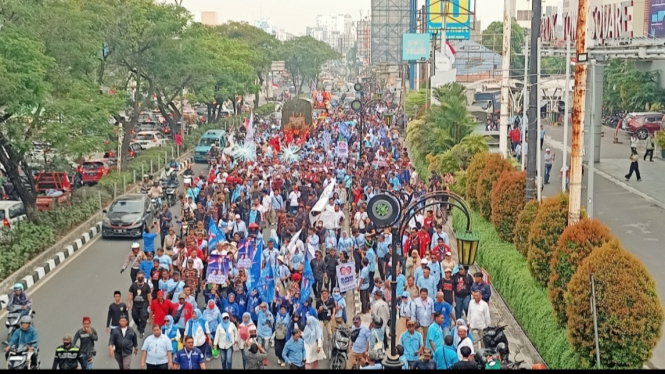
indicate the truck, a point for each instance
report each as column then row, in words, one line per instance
column 53, row 188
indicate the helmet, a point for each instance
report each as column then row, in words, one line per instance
column 19, row 286
column 166, row 168
column 25, row 319
column 501, row 348
column 135, row 245
column 377, row 321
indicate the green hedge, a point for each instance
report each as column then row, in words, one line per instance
column 265, row 109
column 527, row 299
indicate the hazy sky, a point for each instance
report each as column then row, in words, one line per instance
column 295, row 15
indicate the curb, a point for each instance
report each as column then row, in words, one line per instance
column 55, row 260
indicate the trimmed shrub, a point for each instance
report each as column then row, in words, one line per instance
column 544, row 233
column 574, row 245
column 22, row 244
column 459, row 187
column 494, row 166
column 476, row 167
column 629, row 312
column 507, row 202
column 525, row 298
column 523, row 227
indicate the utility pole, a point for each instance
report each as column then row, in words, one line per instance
column 565, row 119
column 525, row 102
column 579, row 98
column 539, row 150
column 505, row 79
column 533, row 143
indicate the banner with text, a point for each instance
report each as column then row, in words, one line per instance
column 346, row 277
column 218, row 269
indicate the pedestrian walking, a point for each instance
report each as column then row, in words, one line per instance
column 634, row 167
column 294, row 351
column 87, row 337
column 138, row 300
column 123, row 343
column 189, row 357
column 548, row 157
column 226, row 337
column 255, row 357
column 157, row 351
column 649, row 147
column 634, row 141
column 68, row 356
column 116, row 310
column 478, row 316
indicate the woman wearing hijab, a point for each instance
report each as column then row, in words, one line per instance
column 243, row 335
column 198, row 328
column 213, row 317
column 331, row 240
column 170, row 330
column 231, row 307
column 275, row 237
column 226, row 337
column 313, row 337
column 253, row 301
column 456, row 338
column 282, row 322
column 412, row 263
column 340, row 307
column 345, row 243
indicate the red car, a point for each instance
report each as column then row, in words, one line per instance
column 93, row 171
column 642, row 124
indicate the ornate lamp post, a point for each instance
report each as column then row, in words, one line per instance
column 388, row 119
column 384, row 209
column 359, row 106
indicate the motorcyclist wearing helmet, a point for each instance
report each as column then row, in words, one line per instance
column 173, row 164
column 19, row 300
column 26, row 335
column 146, row 183
column 188, row 172
column 68, row 356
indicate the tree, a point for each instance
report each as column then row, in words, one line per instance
column 629, row 311
column 551, row 220
column 476, row 167
column 507, row 202
column 492, row 38
column 303, row 57
column 264, row 46
column 458, row 157
column 628, row 89
column 574, row 245
column 523, row 226
column 494, row 166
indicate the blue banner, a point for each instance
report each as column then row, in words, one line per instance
column 246, row 250
column 415, row 47
column 218, row 269
column 255, row 271
column 215, row 235
column 266, row 285
column 307, row 280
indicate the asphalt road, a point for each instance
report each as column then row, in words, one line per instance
column 84, row 286
column 637, row 222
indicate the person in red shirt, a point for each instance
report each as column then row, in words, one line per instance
column 160, row 308
column 427, row 222
column 183, row 310
column 425, row 240
column 515, row 137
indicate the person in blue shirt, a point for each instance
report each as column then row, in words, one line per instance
column 435, row 332
column 446, row 355
column 370, row 255
column 443, row 307
column 294, row 351
column 361, row 345
column 363, row 286
column 149, row 239
column 307, row 309
column 381, row 253
column 297, row 260
column 147, row 263
column 427, row 282
column 412, row 341
column 165, row 262
column 265, row 325
column 241, row 300
column 189, row 357
column 253, row 302
column 230, row 306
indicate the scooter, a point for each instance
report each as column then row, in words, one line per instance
column 19, row 358
column 14, row 314
column 339, row 348
column 492, row 336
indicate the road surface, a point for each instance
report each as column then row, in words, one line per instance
column 84, row 286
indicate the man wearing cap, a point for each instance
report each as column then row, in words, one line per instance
column 412, row 341
column 548, row 158
column 68, row 356
column 407, row 311
column 462, row 282
column 361, row 345
column 380, row 308
column 160, row 308
column 183, row 313
column 239, row 227
column 87, row 336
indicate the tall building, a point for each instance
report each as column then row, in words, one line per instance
column 390, row 20
column 209, row 18
column 364, row 39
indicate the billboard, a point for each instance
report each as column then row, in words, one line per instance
column 656, row 18
column 458, row 18
column 415, row 47
column 277, row 66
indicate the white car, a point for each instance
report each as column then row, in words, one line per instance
column 149, row 139
column 11, row 213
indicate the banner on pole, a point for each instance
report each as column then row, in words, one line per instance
column 346, row 277
column 218, row 269
column 343, row 149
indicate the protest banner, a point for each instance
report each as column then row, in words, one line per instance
column 343, row 149
column 246, row 249
column 346, row 277
column 218, row 269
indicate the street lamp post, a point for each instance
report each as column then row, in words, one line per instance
column 385, row 210
column 360, row 107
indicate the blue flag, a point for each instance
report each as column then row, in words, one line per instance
column 236, row 193
column 266, row 285
column 255, row 271
column 215, row 235
column 307, row 280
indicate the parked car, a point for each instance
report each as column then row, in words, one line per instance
column 128, row 216
column 149, row 139
column 93, row 171
column 642, row 123
column 134, row 151
column 11, row 213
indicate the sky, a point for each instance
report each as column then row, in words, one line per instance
column 295, row 15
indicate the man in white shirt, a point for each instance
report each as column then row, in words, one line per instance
column 439, row 233
column 359, row 218
column 293, row 200
column 464, row 341
column 239, row 227
column 157, row 351
column 419, row 218
column 478, row 316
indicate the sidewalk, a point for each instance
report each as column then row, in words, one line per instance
column 520, row 345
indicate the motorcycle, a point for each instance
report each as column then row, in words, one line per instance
column 339, row 348
column 19, row 358
column 13, row 316
column 156, row 206
column 493, row 336
column 481, row 358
